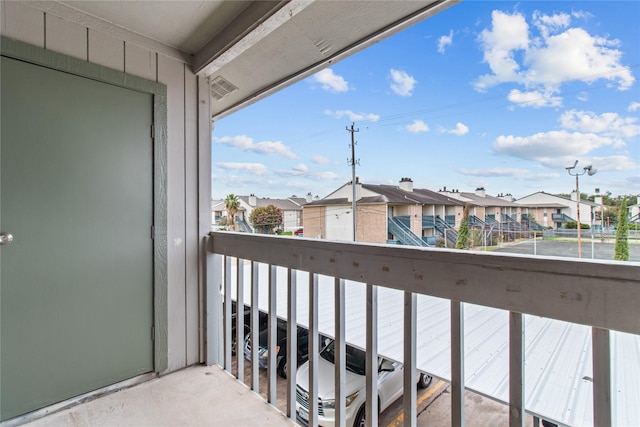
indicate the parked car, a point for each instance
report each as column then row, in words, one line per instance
column 281, row 347
column 262, row 324
column 299, row 232
column 390, row 386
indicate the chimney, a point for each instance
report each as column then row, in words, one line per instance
column 252, row 200
column 406, row 184
column 480, row 192
column 508, row 197
column 574, row 196
column 309, row 197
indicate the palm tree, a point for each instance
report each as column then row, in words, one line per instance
column 232, row 205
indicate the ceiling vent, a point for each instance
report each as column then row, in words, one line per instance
column 221, row 88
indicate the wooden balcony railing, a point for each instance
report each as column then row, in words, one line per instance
column 602, row 295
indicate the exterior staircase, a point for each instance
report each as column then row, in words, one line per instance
column 403, row 233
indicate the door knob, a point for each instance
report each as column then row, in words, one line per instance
column 5, row 238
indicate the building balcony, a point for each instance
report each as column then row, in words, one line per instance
column 552, row 338
column 549, row 338
column 560, row 217
column 195, row 396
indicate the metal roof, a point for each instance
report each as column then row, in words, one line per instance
column 487, row 200
column 395, row 194
column 558, row 366
column 284, row 204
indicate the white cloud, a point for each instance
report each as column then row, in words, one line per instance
column 254, row 168
column 553, row 149
column 634, row 106
column 509, row 33
column 320, row 160
column 609, row 124
column 403, row 83
column 302, row 168
column 613, row 163
column 550, row 23
column 583, row 96
column 461, row 129
column 330, row 82
column 354, row 117
column 245, row 143
column 302, row 171
column 445, row 41
column 533, row 99
column 518, row 174
column 576, row 55
column 325, row 175
column 559, row 54
column 417, row 126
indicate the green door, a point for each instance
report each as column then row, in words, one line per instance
column 76, row 194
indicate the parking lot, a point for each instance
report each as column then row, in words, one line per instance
column 591, row 249
column 433, row 404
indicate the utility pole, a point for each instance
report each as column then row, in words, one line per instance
column 590, row 171
column 353, row 163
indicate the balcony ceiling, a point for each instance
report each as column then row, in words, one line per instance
column 251, row 49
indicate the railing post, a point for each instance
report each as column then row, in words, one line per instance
column 601, row 354
column 255, row 328
column 340, row 353
column 516, row 370
column 292, row 343
column 410, row 308
column 313, row 349
column 227, row 313
column 457, row 364
column 240, row 318
column 214, row 309
column 372, row 356
column 272, row 336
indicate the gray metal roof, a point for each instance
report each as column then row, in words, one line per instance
column 558, row 366
column 284, row 204
column 395, row 194
column 488, row 200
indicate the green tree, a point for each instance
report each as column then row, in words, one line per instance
column 622, row 232
column 463, row 231
column 266, row 219
column 232, row 205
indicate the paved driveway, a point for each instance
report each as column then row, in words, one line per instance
column 590, row 249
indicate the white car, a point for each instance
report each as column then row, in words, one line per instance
column 390, row 386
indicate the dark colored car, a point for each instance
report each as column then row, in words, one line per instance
column 262, row 320
column 281, row 347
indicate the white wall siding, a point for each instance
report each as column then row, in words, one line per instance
column 171, row 73
column 186, row 137
column 192, row 293
column 141, row 62
column 106, row 50
column 22, row 23
column 65, row 37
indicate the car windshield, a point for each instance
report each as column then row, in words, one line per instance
column 356, row 358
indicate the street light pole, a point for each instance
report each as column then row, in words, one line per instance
column 590, row 171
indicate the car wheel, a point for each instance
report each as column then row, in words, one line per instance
column 282, row 368
column 360, row 418
column 424, row 381
column 234, row 342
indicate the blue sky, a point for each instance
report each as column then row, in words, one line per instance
column 501, row 95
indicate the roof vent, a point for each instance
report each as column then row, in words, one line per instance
column 221, row 88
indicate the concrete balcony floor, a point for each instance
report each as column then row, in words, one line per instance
column 195, row 396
